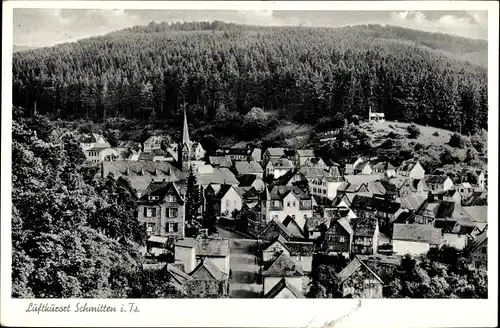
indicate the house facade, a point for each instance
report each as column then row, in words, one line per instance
column 357, row 280
column 338, row 237
column 302, row 156
column 365, row 237
column 162, row 210
column 283, row 201
column 277, row 167
column 155, row 143
column 325, row 186
column 414, row 239
column 438, row 184
column 272, row 153
column 225, row 201
column 411, row 169
column 283, row 267
column 478, row 251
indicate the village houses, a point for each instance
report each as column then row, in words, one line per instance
column 411, row 169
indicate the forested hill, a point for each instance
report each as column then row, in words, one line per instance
column 304, row 74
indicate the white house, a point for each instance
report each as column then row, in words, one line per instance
column 302, row 156
column 414, row 239
column 325, row 186
column 278, row 167
column 190, row 252
column 411, row 169
column 154, row 143
column 99, row 154
column 283, row 201
column 438, row 184
column 283, row 267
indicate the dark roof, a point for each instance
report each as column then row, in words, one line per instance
column 300, row 248
column 275, row 223
column 478, row 198
column 206, row 270
column 160, row 190
column 354, row 266
column 344, row 223
column 246, row 180
column 363, row 226
column 374, row 204
column 289, row 152
column 281, row 163
column 383, row 166
column 283, row 284
column 283, row 266
column 450, row 193
column 141, row 173
column 408, row 165
column 417, row 232
column 435, row 179
column 480, row 239
column 336, row 212
column 280, row 192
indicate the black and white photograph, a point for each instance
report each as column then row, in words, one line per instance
column 249, row 154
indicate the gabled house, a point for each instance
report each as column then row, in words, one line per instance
column 325, row 186
column 293, row 228
column 155, row 143
column 452, row 195
column 302, row 156
column 273, row 230
column 225, row 199
column 207, row 280
column 300, row 252
column 385, row 169
column 357, row 280
column 272, row 153
column 411, row 169
column 283, row 267
column 438, row 184
column 191, row 251
column 129, row 150
column 197, row 151
column 478, row 251
column 276, row 167
column 91, row 140
column 99, row 154
column 316, row 162
column 162, row 210
column 414, row 239
column 251, row 180
column 465, row 189
column 283, row 201
column 338, row 237
column 350, row 167
column 381, row 208
column 284, row 290
column 248, row 167
column 479, row 215
column 365, row 237
column 363, row 168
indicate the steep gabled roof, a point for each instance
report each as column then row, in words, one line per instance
column 354, row 266
column 292, row 226
column 206, row 270
column 177, row 274
column 383, row 166
column 221, row 161
column 245, row 167
column 283, row 266
column 344, row 223
column 280, row 192
column 276, row 152
column 224, row 189
column 305, row 152
column 160, row 190
column 246, row 180
column 280, row 286
column 435, row 179
column 277, row 224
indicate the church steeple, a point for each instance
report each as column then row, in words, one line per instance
column 185, row 147
column 185, row 131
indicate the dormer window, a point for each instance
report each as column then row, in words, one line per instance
column 154, row 197
column 171, row 199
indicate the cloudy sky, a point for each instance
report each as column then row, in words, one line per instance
column 46, row 27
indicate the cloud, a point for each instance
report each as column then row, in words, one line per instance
column 468, row 24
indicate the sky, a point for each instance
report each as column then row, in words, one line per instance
column 47, row 27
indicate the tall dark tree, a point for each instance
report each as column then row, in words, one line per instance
column 193, row 197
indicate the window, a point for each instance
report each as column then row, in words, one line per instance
column 293, row 204
column 484, row 250
column 149, row 212
column 276, row 203
column 171, row 199
column 228, row 204
column 150, row 226
column 342, row 239
column 154, row 197
column 275, row 217
column 288, row 204
column 172, row 212
column 293, row 217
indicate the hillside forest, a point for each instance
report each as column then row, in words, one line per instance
column 218, row 72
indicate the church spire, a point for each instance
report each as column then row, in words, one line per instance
column 185, row 132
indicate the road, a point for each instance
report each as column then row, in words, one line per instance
column 243, row 264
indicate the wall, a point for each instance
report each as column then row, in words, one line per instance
column 332, row 188
column 402, row 247
column 278, row 172
column 235, row 202
column 270, row 282
column 154, row 219
column 292, row 210
column 417, row 172
column 186, row 256
column 179, row 219
column 304, row 261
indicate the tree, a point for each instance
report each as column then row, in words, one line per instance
column 457, row 141
column 209, row 218
column 193, row 197
column 413, row 131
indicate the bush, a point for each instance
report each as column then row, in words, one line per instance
column 413, row 131
column 436, row 134
column 457, row 141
